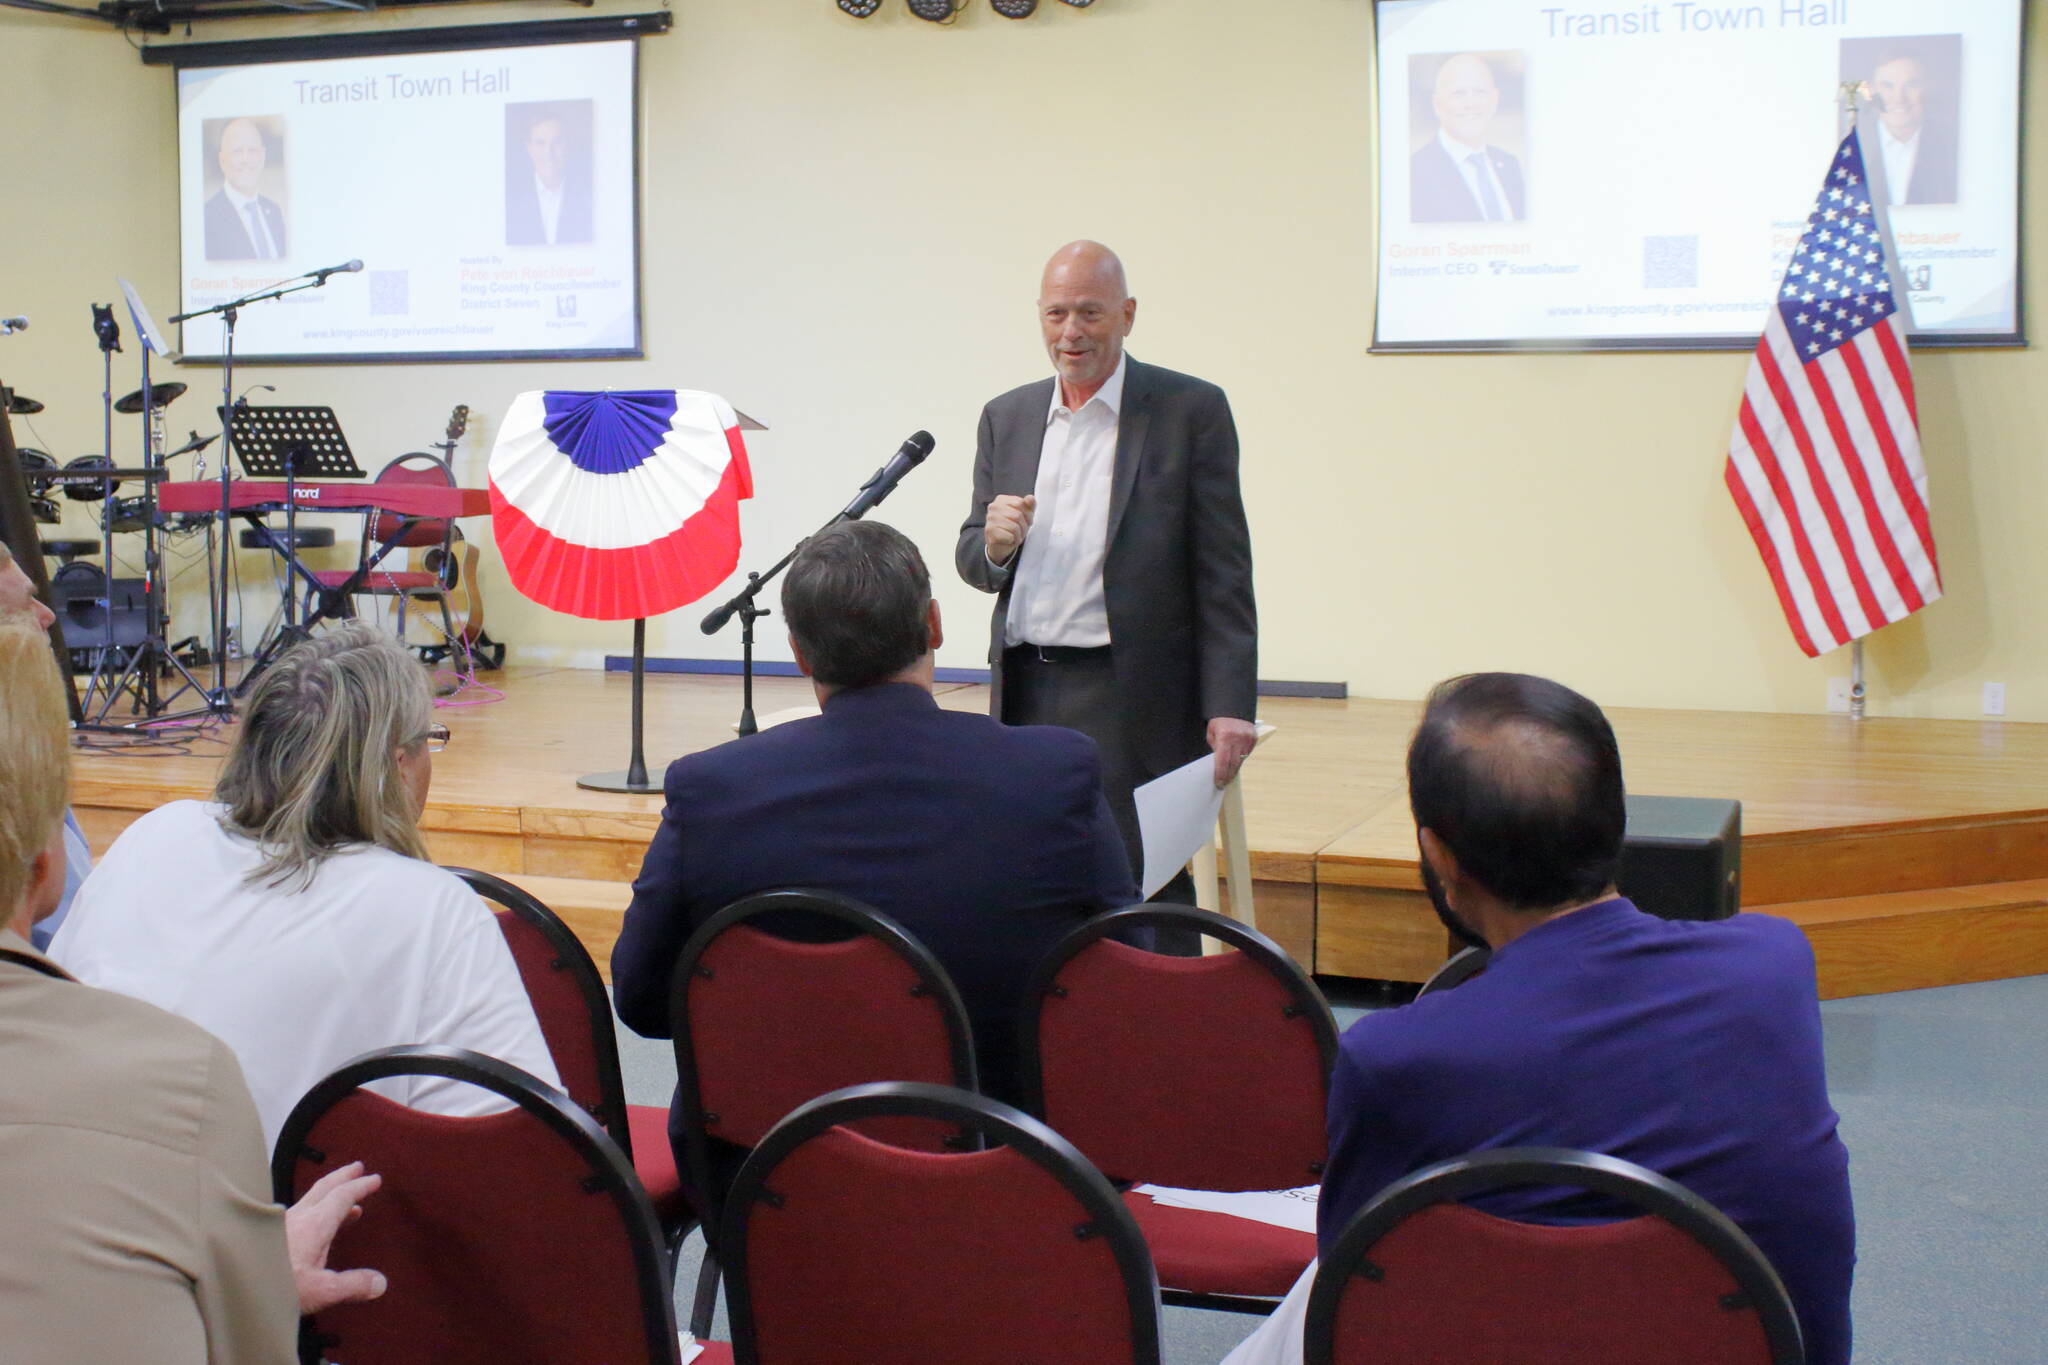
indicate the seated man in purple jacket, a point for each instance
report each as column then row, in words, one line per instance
column 1692, row 1048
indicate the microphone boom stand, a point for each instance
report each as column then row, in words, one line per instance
column 222, row 699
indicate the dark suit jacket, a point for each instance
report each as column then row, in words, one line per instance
column 1691, row 1047
column 1437, row 192
column 522, row 213
column 1177, row 567
column 986, row 842
column 227, row 236
column 1934, row 169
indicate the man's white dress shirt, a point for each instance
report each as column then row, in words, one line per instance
column 1461, row 155
column 380, row 950
column 550, row 210
column 1900, row 156
column 1056, row 598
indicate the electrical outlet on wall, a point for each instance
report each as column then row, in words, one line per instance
column 1994, row 699
column 1838, row 694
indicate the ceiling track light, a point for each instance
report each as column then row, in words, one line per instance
column 938, row 11
column 1080, row 4
column 1013, row 9
column 860, row 9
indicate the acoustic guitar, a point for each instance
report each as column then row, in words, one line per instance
column 456, row 567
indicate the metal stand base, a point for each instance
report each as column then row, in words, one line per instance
column 632, row 778
column 617, row 780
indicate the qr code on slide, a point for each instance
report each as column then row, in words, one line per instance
column 390, row 293
column 1671, row 262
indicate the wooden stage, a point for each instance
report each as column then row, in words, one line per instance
column 1913, row 852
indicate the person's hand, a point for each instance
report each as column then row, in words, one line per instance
column 1232, row 739
column 1005, row 525
column 309, row 1228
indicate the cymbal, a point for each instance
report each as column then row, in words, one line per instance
column 162, row 396
column 21, row 405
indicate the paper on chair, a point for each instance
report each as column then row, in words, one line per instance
column 691, row 1348
column 1176, row 817
column 1294, row 1209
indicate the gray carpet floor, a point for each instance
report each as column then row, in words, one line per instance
column 1944, row 1102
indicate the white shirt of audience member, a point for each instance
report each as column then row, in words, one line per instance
column 379, row 951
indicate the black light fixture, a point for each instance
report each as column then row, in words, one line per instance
column 1013, row 9
column 1080, row 4
column 860, row 9
column 938, row 11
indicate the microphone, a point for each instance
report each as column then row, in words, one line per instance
column 908, row 456
column 345, row 268
column 9, row 326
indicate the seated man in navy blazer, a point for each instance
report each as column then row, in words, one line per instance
column 1458, row 176
column 987, row 842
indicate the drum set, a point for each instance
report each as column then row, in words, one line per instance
column 115, row 627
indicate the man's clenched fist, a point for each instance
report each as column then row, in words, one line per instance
column 1006, row 523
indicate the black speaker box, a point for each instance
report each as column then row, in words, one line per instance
column 1682, row 858
column 75, row 590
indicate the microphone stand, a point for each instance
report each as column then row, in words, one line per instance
column 222, row 698
column 880, row 485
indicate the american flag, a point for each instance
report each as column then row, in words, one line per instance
column 1825, row 464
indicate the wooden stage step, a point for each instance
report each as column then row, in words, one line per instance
column 1905, row 940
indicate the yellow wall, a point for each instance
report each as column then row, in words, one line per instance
column 844, row 222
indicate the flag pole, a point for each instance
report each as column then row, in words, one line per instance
column 1850, row 92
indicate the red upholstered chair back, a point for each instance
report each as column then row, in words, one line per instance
column 763, row 1023
column 1195, row 1072
column 518, row 1238
column 1416, row 1278
column 568, row 998
column 842, row 1248
column 420, row 468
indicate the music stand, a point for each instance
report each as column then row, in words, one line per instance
column 289, row 443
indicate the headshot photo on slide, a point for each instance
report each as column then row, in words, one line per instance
column 1910, row 113
column 547, row 173
column 245, row 188
column 1469, row 137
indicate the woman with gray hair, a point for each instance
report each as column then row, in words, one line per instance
column 296, row 917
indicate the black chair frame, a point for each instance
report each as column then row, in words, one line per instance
column 1457, row 969
column 1758, row 1285
column 993, row 1123
column 825, row 905
column 1307, row 1002
column 609, row 1169
column 571, row 957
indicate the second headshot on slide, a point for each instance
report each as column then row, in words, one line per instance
column 547, row 173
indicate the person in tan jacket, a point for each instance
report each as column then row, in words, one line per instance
column 138, row 1221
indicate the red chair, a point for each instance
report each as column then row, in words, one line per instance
column 845, row 1248
column 517, row 1238
column 763, row 1023
column 385, row 533
column 1418, row 1276
column 1206, row 1073
column 575, row 1016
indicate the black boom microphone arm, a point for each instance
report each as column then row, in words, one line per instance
column 880, row 485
